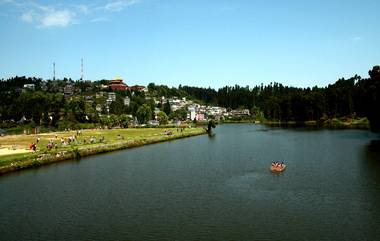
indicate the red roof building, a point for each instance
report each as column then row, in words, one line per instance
column 117, row 84
column 136, row 88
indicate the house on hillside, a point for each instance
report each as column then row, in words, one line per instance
column 127, row 101
column 137, row 88
column 111, row 96
column 28, row 87
column 68, row 90
column 239, row 112
column 200, row 117
column 191, row 113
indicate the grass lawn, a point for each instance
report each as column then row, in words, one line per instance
column 15, row 148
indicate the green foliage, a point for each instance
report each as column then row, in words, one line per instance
column 180, row 114
column 76, row 153
column 162, row 118
column 163, row 90
column 256, row 113
column 124, row 120
column 113, row 120
column 210, row 125
column 117, row 107
column 46, row 105
column 372, row 98
column 144, row 113
column 64, row 124
column 167, row 108
column 346, row 97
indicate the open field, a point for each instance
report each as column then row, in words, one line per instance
column 15, row 153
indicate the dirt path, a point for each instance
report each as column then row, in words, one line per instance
column 9, row 151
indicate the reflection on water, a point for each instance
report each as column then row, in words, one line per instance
column 374, row 146
column 206, row 188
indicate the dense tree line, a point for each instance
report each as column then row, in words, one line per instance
column 346, row 97
column 46, row 104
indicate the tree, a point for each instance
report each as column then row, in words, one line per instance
column 256, row 112
column 167, row 108
column 144, row 113
column 106, row 120
column 162, row 118
column 117, row 107
column 124, row 120
column 210, row 125
column 373, row 98
column 180, row 114
column 76, row 110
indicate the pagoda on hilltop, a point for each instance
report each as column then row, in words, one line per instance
column 117, row 84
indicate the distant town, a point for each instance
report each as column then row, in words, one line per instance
column 67, row 104
column 109, row 102
column 195, row 112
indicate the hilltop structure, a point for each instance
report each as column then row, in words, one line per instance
column 117, row 84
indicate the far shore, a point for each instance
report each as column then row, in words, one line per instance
column 15, row 153
column 360, row 123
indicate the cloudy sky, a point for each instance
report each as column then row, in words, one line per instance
column 191, row 42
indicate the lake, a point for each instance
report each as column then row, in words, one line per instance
column 205, row 188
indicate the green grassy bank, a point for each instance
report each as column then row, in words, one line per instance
column 111, row 140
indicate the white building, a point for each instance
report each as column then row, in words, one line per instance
column 127, row 101
column 68, row 90
column 29, row 86
column 112, row 96
column 191, row 112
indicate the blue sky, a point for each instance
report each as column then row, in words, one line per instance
column 191, row 42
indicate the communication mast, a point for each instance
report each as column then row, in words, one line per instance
column 81, row 69
column 53, row 70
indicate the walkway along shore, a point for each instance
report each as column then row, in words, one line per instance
column 44, row 157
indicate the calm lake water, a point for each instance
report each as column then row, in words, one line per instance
column 205, row 188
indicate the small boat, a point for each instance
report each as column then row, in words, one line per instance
column 277, row 168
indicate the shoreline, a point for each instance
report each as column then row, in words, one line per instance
column 330, row 123
column 33, row 160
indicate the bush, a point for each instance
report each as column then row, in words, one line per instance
column 65, row 124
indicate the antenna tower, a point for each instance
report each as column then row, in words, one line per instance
column 81, row 69
column 53, row 70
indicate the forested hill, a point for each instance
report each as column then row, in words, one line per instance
column 346, row 97
column 353, row 97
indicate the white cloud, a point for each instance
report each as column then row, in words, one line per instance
column 28, row 16
column 119, row 5
column 49, row 17
column 60, row 15
column 356, row 38
column 57, row 18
